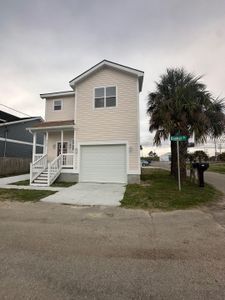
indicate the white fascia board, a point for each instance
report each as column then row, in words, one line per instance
column 57, row 94
column 109, row 64
column 50, row 128
column 21, row 121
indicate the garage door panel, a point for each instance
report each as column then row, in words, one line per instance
column 103, row 163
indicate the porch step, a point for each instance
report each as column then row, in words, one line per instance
column 43, row 176
column 39, row 184
column 42, row 179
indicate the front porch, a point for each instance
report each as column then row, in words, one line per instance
column 58, row 152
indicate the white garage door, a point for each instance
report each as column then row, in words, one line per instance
column 103, row 163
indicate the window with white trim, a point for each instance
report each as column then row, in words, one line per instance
column 105, row 97
column 57, row 105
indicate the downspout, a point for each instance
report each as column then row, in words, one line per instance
column 75, row 150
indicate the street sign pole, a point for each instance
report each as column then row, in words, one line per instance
column 178, row 138
column 178, row 165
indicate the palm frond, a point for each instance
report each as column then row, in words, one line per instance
column 182, row 103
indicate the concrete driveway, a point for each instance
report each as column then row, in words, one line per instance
column 51, row 251
column 89, row 194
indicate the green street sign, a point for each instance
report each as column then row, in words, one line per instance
column 180, row 138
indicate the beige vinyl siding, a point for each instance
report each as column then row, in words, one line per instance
column 67, row 112
column 53, row 138
column 118, row 123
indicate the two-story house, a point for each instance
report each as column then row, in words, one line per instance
column 91, row 133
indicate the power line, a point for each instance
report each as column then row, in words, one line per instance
column 15, row 110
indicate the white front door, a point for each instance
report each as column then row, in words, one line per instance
column 103, row 163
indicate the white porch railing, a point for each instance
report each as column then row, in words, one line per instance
column 67, row 160
column 54, row 169
column 37, row 156
column 37, row 167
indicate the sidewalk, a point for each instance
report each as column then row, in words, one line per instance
column 11, row 179
column 5, row 183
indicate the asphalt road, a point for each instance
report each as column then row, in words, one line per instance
column 50, row 251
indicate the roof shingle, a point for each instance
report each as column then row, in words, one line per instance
column 54, row 124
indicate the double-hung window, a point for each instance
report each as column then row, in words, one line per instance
column 105, row 97
column 57, row 105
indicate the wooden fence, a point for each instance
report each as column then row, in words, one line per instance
column 14, row 165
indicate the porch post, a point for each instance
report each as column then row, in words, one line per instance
column 61, row 141
column 46, row 142
column 34, row 146
column 74, row 149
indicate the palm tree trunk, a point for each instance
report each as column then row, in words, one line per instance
column 173, row 170
column 183, row 155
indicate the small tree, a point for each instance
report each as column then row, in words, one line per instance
column 190, row 157
column 200, row 156
column 221, row 156
column 153, row 156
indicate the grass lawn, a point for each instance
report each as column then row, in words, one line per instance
column 214, row 167
column 23, row 195
column 218, row 168
column 159, row 190
column 55, row 184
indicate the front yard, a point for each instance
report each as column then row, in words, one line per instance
column 159, row 190
column 217, row 167
column 23, row 195
column 213, row 167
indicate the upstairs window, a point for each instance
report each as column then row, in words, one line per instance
column 99, row 97
column 57, row 105
column 105, row 97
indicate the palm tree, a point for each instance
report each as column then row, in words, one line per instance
column 181, row 104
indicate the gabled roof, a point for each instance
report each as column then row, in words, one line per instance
column 57, row 94
column 103, row 63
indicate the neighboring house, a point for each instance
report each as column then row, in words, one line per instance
column 15, row 140
column 92, row 131
column 165, row 157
